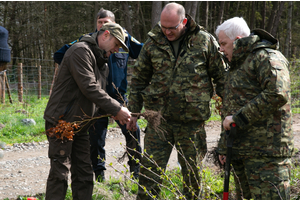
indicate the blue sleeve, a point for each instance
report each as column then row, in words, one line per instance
column 59, row 54
column 134, row 46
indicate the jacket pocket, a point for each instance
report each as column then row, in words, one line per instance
column 120, row 59
column 197, row 106
column 59, row 149
column 154, row 101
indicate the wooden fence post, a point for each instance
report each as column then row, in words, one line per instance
column 54, row 77
column 40, row 82
column 8, row 89
column 20, row 82
column 3, row 87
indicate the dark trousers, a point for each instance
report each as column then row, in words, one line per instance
column 68, row 156
column 98, row 133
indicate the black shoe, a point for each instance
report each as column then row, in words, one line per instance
column 99, row 175
column 135, row 169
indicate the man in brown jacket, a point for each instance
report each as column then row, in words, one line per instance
column 79, row 88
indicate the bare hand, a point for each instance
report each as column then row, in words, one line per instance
column 227, row 121
column 123, row 116
column 222, row 159
column 131, row 125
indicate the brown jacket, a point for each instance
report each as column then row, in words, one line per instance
column 80, row 84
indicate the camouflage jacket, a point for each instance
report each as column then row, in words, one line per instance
column 180, row 87
column 258, row 96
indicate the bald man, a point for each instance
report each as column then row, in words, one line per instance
column 180, row 60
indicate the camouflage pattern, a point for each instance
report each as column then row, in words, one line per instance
column 258, row 95
column 181, row 88
column 267, row 178
column 186, row 137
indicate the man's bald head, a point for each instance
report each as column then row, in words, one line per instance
column 174, row 8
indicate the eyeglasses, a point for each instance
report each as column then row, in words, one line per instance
column 171, row 28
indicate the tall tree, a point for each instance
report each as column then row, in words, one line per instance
column 272, row 17
column 206, row 13
column 221, row 13
column 287, row 46
column 156, row 10
column 277, row 18
column 263, row 11
column 237, row 8
column 188, row 6
column 126, row 15
column 252, row 18
column 193, row 10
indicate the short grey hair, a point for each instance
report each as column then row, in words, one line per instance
column 234, row 27
column 106, row 13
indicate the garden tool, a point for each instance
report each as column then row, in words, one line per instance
column 230, row 136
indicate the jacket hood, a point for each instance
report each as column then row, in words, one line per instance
column 99, row 53
column 257, row 39
column 157, row 35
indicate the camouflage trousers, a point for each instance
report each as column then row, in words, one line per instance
column 262, row 178
column 190, row 141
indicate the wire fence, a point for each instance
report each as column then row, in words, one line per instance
column 30, row 80
column 38, row 78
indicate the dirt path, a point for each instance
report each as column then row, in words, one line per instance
column 24, row 168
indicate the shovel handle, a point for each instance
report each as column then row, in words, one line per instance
column 230, row 136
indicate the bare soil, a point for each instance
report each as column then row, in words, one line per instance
column 24, row 167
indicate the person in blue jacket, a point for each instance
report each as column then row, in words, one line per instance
column 117, row 63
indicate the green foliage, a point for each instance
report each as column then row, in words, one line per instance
column 295, row 84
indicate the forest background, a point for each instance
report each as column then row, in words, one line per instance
column 39, row 28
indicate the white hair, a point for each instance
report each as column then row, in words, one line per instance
column 234, row 27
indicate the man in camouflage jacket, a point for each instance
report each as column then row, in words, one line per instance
column 174, row 74
column 258, row 99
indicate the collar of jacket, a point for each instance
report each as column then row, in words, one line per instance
column 99, row 53
column 258, row 39
column 157, row 35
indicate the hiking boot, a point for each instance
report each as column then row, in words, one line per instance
column 99, row 175
column 135, row 169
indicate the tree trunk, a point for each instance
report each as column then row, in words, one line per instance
column 13, row 32
column 126, row 15
column 137, row 32
column 252, row 18
column 95, row 14
column 156, row 10
column 287, row 46
column 193, row 10
column 221, row 13
column 188, row 6
column 237, row 8
column 206, row 14
column 143, row 22
column 272, row 17
column 263, row 11
column 277, row 19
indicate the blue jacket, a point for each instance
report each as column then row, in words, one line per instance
column 117, row 64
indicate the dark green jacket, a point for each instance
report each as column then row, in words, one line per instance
column 180, row 87
column 258, row 95
column 80, row 84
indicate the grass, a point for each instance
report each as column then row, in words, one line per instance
column 11, row 116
